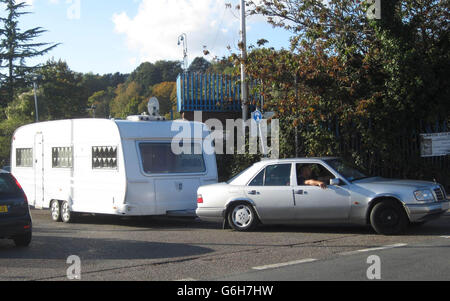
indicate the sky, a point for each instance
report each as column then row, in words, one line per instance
column 108, row 36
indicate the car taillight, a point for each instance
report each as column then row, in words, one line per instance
column 199, row 199
column 17, row 182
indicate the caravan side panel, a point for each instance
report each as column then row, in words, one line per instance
column 99, row 180
column 62, row 166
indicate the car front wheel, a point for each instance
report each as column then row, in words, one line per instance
column 242, row 217
column 388, row 218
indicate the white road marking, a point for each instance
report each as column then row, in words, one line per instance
column 445, row 236
column 187, row 279
column 278, row 265
column 373, row 249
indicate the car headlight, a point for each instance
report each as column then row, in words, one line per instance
column 424, row 195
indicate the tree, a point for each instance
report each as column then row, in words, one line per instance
column 166, row 94
column 16, row 47
column 127, row 100
column 19, row 112
column 62, row 95
column 199, row 65
column 355, row 87
column 101, row 101
column 148, row 74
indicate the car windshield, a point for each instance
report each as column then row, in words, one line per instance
column 348, row 171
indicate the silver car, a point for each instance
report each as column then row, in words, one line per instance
column 319, row 190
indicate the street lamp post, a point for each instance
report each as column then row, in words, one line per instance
column 244, row 93
column 182, row 39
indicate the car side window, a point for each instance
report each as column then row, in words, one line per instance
column 259, row 179
column 278, row 175
column 273, row 175
column 314, row 171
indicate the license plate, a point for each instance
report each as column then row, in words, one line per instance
column 3, row 209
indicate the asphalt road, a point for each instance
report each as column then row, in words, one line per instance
column 114, row 248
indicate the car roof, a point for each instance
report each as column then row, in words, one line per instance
column 290, row 160
column 247, row 174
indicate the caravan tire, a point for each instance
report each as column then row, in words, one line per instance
column 66, row 215
column 55, row 210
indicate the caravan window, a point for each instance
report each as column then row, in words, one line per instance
column 24, row 157
column 62, row 157
column 104, row 157
column 158, row 158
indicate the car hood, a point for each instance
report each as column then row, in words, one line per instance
column 378, row 183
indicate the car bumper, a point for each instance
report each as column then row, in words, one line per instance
column 424, row 212
column 12, row 226
column 210, row 214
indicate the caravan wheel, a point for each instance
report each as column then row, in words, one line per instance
column 55, row 210
column 66, row 215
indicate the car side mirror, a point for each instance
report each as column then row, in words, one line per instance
column 335, row 182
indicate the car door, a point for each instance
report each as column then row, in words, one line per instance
column 313, row 203
column 272, row 192
column 39, row 171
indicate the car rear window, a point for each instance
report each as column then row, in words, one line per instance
column 8, row 186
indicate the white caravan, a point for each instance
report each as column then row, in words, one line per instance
column 121, row 167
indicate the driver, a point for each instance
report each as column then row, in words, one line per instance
column 305, row 178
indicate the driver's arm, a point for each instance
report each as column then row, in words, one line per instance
column 316, row 183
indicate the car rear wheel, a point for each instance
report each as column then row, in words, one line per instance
column 55, row 210
column 66, row 215
column 388, row 218
column 22, row 240
column 242, row 217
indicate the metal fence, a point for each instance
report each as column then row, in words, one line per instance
column 212, row 93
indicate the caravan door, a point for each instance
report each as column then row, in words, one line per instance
column 39, row 171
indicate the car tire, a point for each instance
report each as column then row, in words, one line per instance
column 388, row 218
column 242, row 217
column 66, row 214
column 55, row 210
column 23, row 240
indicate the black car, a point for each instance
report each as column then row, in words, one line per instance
column 15, row 217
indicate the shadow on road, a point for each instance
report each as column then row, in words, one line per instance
column 54, row 247
column 437, row 227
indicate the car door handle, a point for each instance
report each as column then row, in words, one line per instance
column 253, row 192
column 299, row 192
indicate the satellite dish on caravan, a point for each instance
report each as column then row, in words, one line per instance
column 153, row 112
column 153, row 107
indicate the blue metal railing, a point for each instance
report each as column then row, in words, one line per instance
column 213, row 93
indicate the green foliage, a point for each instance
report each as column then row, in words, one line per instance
column 100, row 102
column 166, row 92
column 148, row 74
column 199, row 65
column 354, row 87
column 62, row 95
column 16, row 46
column 18, row 113
column 127, row 100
